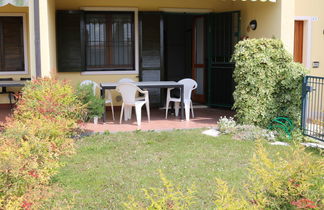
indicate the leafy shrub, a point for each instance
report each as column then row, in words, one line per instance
column 290, row 180
column 294, row 180
column 268, row 82
column 49, row 98
column 167, row 197
column 244, row 132
column 34, row 140
column 94, row 104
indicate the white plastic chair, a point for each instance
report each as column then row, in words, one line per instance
column 127, row 80
column 128, row 92
column 109, row 97
column 189, row 86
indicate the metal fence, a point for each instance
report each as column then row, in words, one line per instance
column 313, row 107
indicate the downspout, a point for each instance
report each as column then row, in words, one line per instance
column 37, row 39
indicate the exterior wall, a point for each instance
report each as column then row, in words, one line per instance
column 275, row 20
column 308, row 9
column 268, row 15
column 24, row 10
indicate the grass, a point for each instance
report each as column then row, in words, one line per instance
column 108, row 168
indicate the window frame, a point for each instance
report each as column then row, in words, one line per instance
column 23, row 15
column 136, row 40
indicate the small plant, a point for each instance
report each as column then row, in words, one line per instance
column 94, row 104
column 226, row 125
column 167, row 197
column 244, row 132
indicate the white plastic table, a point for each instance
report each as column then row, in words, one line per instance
column 153, row 84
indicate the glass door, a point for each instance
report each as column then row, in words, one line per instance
column 198, row 59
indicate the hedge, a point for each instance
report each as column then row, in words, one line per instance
column 268, row 82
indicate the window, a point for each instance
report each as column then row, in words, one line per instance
column 11, row 44
column 109, row 41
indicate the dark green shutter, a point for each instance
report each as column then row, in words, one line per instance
column 70, row 41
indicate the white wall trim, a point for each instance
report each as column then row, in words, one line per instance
column 307, row 46
column 124, row 9
column 23, row 15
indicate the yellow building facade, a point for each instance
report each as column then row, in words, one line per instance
column 275, row 19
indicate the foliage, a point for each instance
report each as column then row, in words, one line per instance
column 293, row 180
column 167, row 197
column 49, row 98
column 268, row 82
column 244, row 132
column 278, row 183
column 94, row 104
column 226, row 125
column 34, row 140
column 226, row 199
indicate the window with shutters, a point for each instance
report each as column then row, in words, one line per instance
column 96, row 41
column 12, row 52
column 109, row 41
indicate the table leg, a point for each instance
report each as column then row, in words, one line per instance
column 182, row 101
column 102, row 94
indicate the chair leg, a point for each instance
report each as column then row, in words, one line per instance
column 176, row 108
column 148, row 111
column 138, row 110
column 126, row 113
column 166, row 109
column 10, row 100
column 121, row 114
column 187, row 110
column 192, row 111
column 112, row 111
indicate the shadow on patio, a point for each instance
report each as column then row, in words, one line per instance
column 204, row 117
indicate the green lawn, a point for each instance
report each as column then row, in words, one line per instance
column 109, row 168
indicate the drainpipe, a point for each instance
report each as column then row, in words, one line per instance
column 37, row 39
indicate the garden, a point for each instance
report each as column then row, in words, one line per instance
column 47, row 162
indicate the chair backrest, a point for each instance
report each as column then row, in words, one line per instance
column 90, row 82
column 189, row 85
column 127, row 80
column 128, row 92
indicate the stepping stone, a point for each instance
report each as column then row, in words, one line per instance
column 279, row 143
column 313, row 145
column 211, row 132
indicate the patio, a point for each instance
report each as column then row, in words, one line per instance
column 204, row 117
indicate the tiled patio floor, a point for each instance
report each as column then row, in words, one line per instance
column 204, row 117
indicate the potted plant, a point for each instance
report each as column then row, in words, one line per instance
column 94, row 104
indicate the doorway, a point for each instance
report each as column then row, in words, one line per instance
column 185, row 50
column 299, row 41
column 174, row 46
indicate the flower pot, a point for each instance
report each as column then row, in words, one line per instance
column 95, row 120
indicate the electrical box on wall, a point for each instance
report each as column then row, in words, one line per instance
column 316, row 64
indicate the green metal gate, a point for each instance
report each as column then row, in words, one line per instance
column 223, row 33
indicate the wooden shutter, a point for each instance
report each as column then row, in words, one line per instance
column 11, row 44
column 70, row 41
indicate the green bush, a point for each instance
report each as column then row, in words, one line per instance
column 49, row 98
column 34, row 140
column 94, row 104
column 167, row 197
column 268, row 82
column 288, row 182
